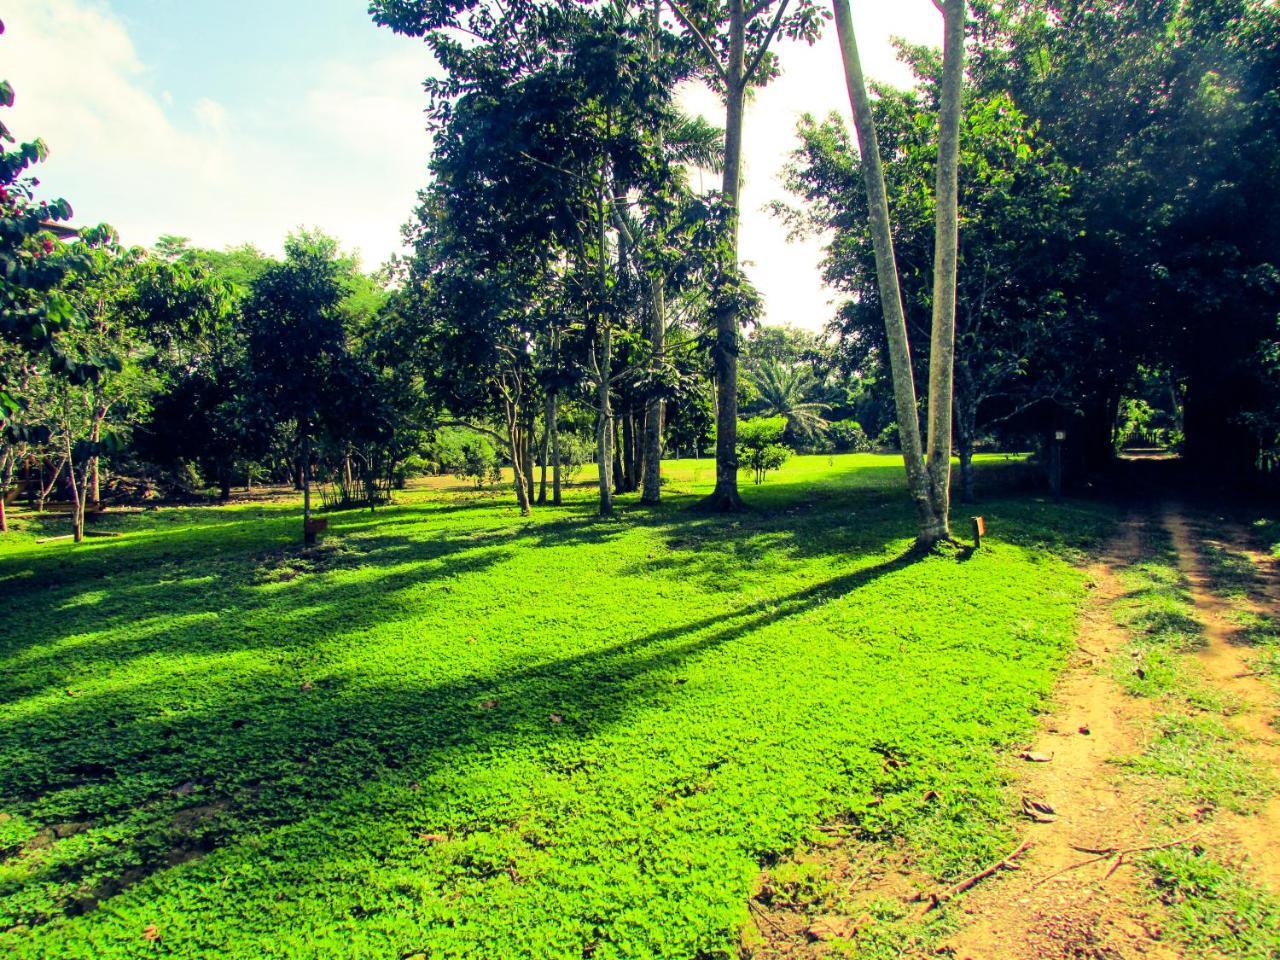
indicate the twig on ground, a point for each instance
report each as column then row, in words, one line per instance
column 760, row 912
column 1108, row 853
column 940, row 897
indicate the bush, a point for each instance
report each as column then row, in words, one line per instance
column 760, row 446
column 468, row 455
column 889, row 439
column 847, row 436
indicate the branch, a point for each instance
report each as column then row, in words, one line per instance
column 941, row 9
column 764, row 44
column 710, row 51
column 942, row 896
column 1107, row 853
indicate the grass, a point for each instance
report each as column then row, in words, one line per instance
column 1157, row 612
column 1212, row 908
column 451, row 731
column 1202, row 757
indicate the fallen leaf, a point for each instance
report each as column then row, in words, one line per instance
column 1038, row 810
column 1035, row 757
column 488, row 704
column 433, row 837
column 555, row 718
column 308, row 686
column 828, row 928
column 151, row 932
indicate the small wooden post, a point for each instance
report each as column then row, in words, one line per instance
column 979, row 531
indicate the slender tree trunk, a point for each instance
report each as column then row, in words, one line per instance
column 6, row 477
column 604, row 422
column 555, row 448
column 546, row 446
column 308, row 535
column 92, row 492
column 77, row 500
column 526, row 456
column 629, row 481
column 726, row 496
column 942, row 350
column 619, row 480
column 516, row 443
column 895, row 322
column 653, row 412
column 966, row 436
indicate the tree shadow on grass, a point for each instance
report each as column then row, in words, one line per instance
column 260, row 752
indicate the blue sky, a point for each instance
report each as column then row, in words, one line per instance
column 232, row 121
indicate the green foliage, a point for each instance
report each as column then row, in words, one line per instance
column 847, row 436
column 760, row 447
column 785, row 391
column 468, row 455
column 451, row 731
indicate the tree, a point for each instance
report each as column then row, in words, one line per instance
column 760, row 447
column 784, row 391
column 1017, row 343
column 1167, row 111
column 928, row 480
column 297, row 344
column 733, row 39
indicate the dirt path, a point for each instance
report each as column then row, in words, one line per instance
column 1228, row 663
column 1048, row 909
column 1066, row 897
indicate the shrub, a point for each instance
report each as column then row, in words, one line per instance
column 847, row 436
column 760, row 446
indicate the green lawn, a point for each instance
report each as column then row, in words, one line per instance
column 451, row 731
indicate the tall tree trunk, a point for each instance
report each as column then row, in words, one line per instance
column 6, row 477
column 629, row 481
column 942, row 350
column 619, row 479
column 895, row 321
column 516, row 442
column 555, row 448
column 77, row 498
column 308, row 535
column 966, row 436
column 725, row 496
column 546, row 447
column 604, row 421
column 653, row 411
column 91, row 486
column 527, row 455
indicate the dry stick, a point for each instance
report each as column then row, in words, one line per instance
column 941, row 897
column 1119, row 853
column 759, row 911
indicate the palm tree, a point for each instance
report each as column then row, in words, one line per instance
column 784, row 390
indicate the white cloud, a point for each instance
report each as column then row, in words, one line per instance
column 344, row 151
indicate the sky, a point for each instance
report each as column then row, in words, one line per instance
column 237, row 121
